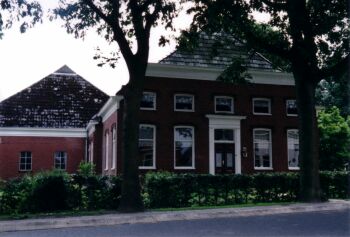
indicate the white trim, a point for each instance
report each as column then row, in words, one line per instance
column 290, row 115
column 106, row 150
column 154, row 102
column 114, row 147
column 110, row 107
column 224, row 97
column 154, row 147
column 211, row 74
column 225, row 122
column 270, row 149
column 292, row 168
column 64, row 74
column 184, row 110
column 193, row 149
column 261, row 99
column 42, row 132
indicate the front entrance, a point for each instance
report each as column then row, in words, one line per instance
column 224, row 158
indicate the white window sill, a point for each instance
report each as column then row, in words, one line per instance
column 184, row 168
column 263, row 168
column 294, row 168
column 269, row 114
column 292, row 115
column 150, row 109
column 183, row 110
column 147, row 168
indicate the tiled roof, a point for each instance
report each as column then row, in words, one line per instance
column 60, row 100
column 202, row 55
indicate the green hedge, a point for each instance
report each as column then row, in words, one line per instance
column 56, row 191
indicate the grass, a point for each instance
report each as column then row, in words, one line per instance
column 102, row 212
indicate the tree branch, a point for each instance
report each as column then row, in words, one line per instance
column 98, row 11
column 338, row 68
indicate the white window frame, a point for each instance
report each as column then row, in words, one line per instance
column 261, row 99
column 184, row 110
column 154, row 102
column 224, row 97
column 270, row 150
column 106, row 150
column 114, row 147
column 65, row 159
column 290, row 115
column 292, row 168
column 193, row 149
column 91, row 152
column 25, row 164
column 154, row 146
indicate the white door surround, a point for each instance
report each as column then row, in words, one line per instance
column 225, row 122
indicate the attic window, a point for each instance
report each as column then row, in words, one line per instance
column 291, row 108
column 261, row 106
column 184, row 102
column 223, row 104
column 148, row 101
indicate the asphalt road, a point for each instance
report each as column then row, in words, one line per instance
column 330, row 223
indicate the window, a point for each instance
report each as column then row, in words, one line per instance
column 261, row 106
column 148, row 101
column 293, row 148
column 184, row 102
column 106, row 151
column 223, row 135
column 147, row 137
column 91, row 152
column 291, row 108
column 114, row 147
column 60, row 160
column 262, row 149
column 25, row 162
column 223, row 104
column 184, row 147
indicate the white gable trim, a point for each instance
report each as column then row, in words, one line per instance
column 110, row 107
column 42, row 132
column 211, row 74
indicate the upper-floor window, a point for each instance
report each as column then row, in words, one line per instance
column 106, row 151
column 183, row 102
column 262, row 148
column 291, row 108
column 60, row 160
column 261, row 106
column 223, row 104
column 147, row 145
column 184, row 147
column 293, row 148
column 148, row 101
column 25, row 161
column 114, row 147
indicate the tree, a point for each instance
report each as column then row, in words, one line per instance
column 125, row 22
column 313, row 36
column 28, row 13
column 334, row 140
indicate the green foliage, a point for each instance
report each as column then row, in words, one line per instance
column 334, row 140
column 86, row 169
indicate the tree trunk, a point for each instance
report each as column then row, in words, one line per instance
column 308, row 137
column 131, row 200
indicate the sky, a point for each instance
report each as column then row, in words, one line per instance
column 29, row 57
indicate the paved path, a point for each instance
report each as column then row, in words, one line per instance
column 155, row 217
column 323, row 223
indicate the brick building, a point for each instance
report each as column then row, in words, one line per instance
column 190, row 121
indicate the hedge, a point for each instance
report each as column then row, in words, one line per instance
column 56, row 191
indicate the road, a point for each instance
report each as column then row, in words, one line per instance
column 326, row 223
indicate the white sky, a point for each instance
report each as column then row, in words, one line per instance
column 29, row 57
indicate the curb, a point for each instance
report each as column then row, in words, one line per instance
column 160, row 216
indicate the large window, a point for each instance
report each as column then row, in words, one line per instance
column 184, row 147
column 261, row 106
column 60, row 160
column 291, row 108
column 147, row 143
column 148, row 101
column 183, row 102
column 293, row 148
column 25, row 161
column 223, row 104
column 106, row 151
column 262, row 148
column 114, row 147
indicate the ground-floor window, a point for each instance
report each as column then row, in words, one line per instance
column 25, row 161
column 184, row 147
column 147, row 143
column 293, row 148
column 262, row 148
column 60, row 160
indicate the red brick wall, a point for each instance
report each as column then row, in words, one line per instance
column 43, row 149
column 165, row 118
column 108, row 125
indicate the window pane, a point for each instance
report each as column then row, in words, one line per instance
column 218, row 159
column 223, row 104
column 261, row 136
column 145, row 153
column 292, row 107
column 183, row 134
column 183, row 154
column 262, row 148
column 148, row 100
column 293, row 149
column 146, row 132
column 223, row 134
column 229, row 160
column 261, row 106
column 183, row 102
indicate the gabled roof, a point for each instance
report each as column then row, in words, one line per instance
column 202, row 55
column 60, row 100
